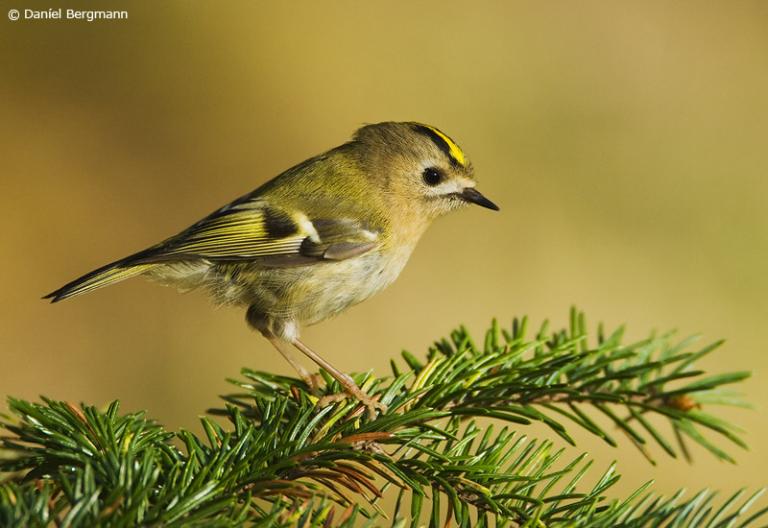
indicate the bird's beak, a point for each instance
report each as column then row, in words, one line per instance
column 472, row 195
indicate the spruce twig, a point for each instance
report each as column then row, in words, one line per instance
column 282, row 460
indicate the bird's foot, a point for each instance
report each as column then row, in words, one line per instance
column 371, row 403
column 312, row 380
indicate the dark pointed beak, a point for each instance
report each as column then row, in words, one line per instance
column 472, row 195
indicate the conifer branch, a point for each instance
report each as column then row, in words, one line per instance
column 271, row 456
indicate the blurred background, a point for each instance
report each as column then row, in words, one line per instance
column 625, row 143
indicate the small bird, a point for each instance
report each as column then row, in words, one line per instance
column 315, row 240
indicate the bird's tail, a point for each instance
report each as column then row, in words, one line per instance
column 104, row 276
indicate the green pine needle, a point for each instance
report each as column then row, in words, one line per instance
column 281, row 460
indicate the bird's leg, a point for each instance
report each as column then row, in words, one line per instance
column 309, row 378
column 346, row 382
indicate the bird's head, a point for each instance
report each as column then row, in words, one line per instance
column 420, row 169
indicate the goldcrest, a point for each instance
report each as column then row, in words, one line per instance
column 317, row 239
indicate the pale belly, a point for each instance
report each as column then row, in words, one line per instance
column 304, row 295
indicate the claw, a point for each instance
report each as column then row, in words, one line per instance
column 328, row 399
column 346, row 381
column 371, row 403
column 313, row 382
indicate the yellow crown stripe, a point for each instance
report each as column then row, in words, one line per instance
column 454, row 149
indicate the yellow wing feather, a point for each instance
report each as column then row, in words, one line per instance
column 99, row 278
column 239, row 233
column 256, row 232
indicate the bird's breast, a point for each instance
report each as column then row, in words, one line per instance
column 331, row 288
column 310, row 294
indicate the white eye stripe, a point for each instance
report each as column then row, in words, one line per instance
column 446, row 187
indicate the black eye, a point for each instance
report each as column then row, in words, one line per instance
column 432, row 176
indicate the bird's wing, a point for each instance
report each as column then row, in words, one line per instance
column 268, row 234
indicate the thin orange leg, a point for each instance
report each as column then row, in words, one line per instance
column 306, row 375
column 348, row 383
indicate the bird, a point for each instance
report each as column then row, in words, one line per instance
column 318, row 238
